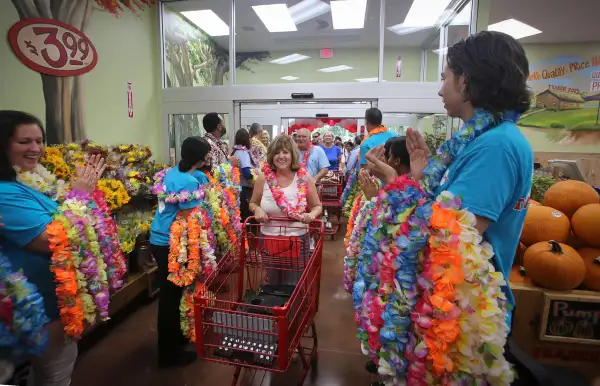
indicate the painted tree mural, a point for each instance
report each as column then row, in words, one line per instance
column 64, row 96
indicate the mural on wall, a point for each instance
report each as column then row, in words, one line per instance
column 565, row 105
column 63, row 88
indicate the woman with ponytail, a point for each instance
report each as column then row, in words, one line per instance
column 179, row 191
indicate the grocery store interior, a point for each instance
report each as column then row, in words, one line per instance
column 160, row 66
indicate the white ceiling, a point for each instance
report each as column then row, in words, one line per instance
column 549, row 16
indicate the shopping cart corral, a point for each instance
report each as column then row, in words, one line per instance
column 266, row 317
column 330, row 193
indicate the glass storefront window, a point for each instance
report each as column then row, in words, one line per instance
column 196, row 43
column 182, row 126
column 306, row 41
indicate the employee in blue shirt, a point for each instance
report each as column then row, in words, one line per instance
column 378, row 134
column 195, row 152
column 315, row 160
column 484, row 80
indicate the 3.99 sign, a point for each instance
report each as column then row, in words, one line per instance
column 52, row 47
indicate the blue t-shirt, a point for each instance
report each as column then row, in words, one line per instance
column 333, row 155
column 175, row 181
column 373, row 141
column 245, row 167
column 493, row 176
column 201, row 177
column 25, row 214
column 317, row 160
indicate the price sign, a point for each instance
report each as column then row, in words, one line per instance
column 51, row 47
column 571, row 318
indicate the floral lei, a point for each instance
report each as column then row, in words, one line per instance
column 279, row 196
column 445, row 322
column 255, row 162
column 42, row 180
column 22, row 314
column 306, row 155
column 186, row 308
column 191, row 251
column 184, row 196
column 351, row 191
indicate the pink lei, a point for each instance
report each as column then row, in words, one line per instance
column 279, row 196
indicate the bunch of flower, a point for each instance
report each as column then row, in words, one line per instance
column 53, row 160
column 114, row 192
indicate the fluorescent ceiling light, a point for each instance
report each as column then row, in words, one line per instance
column 514, row 28
column 425, row 13
column 343, row 67
column 289, row 77
column 367, row 79
column 308, row 9
column 401, row 29
column 443, row 51
column 348, row 14
column 275, row 17
column 208, row 21
column 289, row 59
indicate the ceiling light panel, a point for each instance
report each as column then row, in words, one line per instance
column 307, row 10
column 514, row 28
column 425, row 13
column 208, row 21
column 275, row 17
column 348, row 14
column 366, row 80
column 289, row 59
column 401, row 29
column 289, row 77
column 343, row 67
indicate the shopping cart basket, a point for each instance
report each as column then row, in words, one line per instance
column 263, row 319
column 330, row 193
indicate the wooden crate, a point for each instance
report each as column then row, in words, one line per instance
column 560, row 328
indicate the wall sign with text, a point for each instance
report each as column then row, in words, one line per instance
column 52, row 47
column 571, row 318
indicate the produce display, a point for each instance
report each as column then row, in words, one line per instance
column 559, row 248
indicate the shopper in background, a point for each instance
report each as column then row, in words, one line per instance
column 377, row 133
column 352, row 162
column 265, row 138
column 316, row 138
column 26, row 212
column 195, row 152
column 285, row 190
column 333, row 152
column 248, row 164
column 338, row 142
column 215, row 129
column 313, row 158
column 484, row 83
column 257, row 149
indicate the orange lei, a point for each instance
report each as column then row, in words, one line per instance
column 69, row 304
column 222, row 214
column 353, row 213
column 178, row 275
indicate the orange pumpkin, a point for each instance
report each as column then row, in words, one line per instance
column 586, row 225
column 591, row 258
column 555, row 266
column 543, row 223
column 519, row 275
column 568, row 196
column 533, row 203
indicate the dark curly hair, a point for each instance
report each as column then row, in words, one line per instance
column 495, row 69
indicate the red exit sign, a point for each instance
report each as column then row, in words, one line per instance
column 326, row 53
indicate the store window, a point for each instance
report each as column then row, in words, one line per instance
column 306, row 41
column 182, row 126
column 196, row 43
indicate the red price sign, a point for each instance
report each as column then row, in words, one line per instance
column 51, row 47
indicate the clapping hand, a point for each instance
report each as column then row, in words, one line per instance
column 377, row 165
column 418, row 151
column 88, row 174
column 235, row 161
column 367, row 184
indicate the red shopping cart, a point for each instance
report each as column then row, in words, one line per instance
column 266, row 315
column 330, row 193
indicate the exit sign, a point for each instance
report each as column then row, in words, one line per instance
column 326, row 53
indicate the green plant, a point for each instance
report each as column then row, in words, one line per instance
column 541, row 182
column 433, row 141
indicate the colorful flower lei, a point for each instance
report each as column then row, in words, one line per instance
column 184, row 196
column 191, row 252
column 229, row 179
column 115, row 193
column 22, row 314
column 214, row 200
column 186, row 308
column 279, row 197
column 351, row 191
column 40, row 179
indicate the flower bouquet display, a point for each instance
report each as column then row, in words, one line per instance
column 428, row 301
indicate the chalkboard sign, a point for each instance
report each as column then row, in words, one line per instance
column 571, row 318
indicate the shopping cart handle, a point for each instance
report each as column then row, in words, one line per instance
column 316, row 222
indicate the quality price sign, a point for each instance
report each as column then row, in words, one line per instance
column 51, row 47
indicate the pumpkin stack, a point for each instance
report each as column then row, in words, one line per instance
column 559, row 247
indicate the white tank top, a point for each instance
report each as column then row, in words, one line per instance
column 270, row 207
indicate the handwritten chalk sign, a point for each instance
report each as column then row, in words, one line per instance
column 571, row 318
